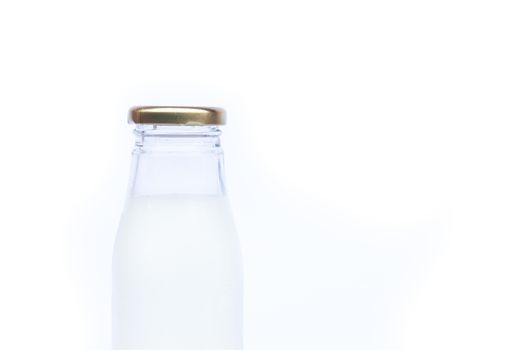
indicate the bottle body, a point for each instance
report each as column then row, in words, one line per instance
column 177, row 281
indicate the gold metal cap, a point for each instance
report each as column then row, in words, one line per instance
column 172, row 115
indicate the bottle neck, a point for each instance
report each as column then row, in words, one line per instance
column 177, row 160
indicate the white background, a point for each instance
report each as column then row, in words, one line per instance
column 374, row 154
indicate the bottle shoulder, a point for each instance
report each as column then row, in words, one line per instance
column 177, row 219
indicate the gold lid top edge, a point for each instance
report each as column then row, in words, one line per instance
column 177, row 115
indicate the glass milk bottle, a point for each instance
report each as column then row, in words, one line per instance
column 176, row 262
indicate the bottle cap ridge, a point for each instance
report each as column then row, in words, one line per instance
column 177, row 115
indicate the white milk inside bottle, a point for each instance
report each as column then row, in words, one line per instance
column 176, row 262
